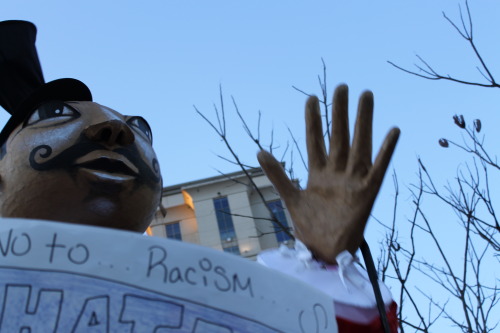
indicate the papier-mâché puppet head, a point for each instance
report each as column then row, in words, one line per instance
column 64, row 157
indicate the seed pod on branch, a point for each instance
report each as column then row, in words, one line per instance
column 477, row 125
column 459, row 121
column 443, row 143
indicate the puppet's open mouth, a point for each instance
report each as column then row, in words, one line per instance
column 108, row 165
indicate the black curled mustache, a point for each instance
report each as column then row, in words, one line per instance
column 67, row 158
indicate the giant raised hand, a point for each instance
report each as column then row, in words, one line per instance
column 330, row 215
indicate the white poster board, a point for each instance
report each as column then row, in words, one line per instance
column 57, row 277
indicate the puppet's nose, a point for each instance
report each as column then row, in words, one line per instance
column 110, row 132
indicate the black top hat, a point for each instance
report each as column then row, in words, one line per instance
column 22, row 86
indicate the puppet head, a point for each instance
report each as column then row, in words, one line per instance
column 64, row 157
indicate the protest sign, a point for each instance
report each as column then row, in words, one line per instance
column 57, row 277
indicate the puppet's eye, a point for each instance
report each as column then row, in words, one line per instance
column 52, row 109
column 142, row 125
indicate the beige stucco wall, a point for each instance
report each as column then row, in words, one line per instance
column 199, row 225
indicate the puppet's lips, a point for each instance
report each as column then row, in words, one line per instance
column 107, row 164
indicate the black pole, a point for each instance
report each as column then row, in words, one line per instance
column 372, row 274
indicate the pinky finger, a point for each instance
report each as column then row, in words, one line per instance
column 384, row 157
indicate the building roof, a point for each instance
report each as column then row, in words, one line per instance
column 177, row 188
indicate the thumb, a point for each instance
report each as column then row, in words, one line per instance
column 277, row 175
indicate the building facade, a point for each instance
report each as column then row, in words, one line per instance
column 224, row 212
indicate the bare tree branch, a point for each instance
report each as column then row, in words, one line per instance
column 466, row 32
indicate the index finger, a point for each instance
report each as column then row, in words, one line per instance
column 316, row 150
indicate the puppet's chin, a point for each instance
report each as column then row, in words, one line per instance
column 109, row 204
column 105, row 198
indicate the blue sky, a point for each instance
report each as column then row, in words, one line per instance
column 159, row 58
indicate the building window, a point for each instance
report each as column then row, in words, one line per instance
column 173, row 231
column 226, row 227
column 232, row 249
column 224, row 219
column 277, row 208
